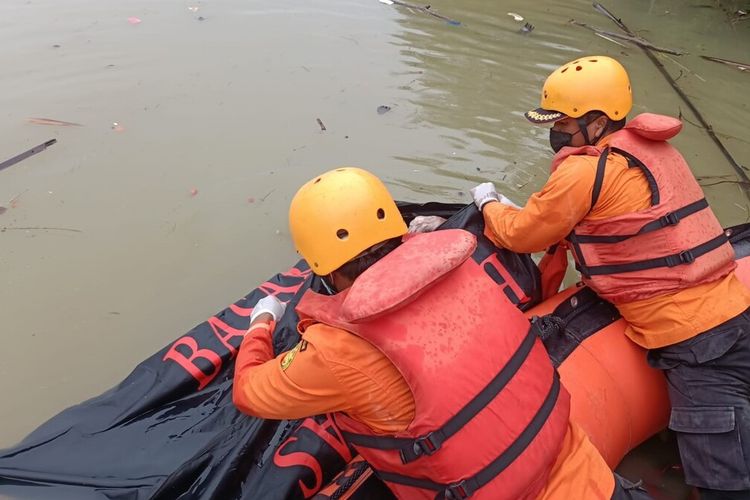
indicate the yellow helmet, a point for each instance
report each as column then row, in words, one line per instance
column 340, row 214
column 593, row 83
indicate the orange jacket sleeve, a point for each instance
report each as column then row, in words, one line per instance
column 549, row 215
column 294, row 384
column 580, row 471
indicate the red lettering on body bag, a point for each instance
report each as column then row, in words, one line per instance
column 302, row 458
column 224, row 333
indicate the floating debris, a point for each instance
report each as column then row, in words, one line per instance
column 641, row 42
column 611, row 40
column 193, row 8
column 117, row 127
column 267, row 194
column 251, row 200
column 134, row 20
column 3, row 210
column 526, row 29
column 30, row 152
column 201, row 18
column 320, row 122
column 425, row 10
column 193, row 192
column 13, row 203
column 737, row 65
column 383, row 109
column 3, row 229
column 516, row 17
column 54, row 123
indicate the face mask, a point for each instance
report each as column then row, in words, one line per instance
column 559, row 140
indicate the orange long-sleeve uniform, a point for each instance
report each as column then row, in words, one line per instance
column 565, row 200
column 348, row 374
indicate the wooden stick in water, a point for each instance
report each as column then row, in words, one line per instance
column 738, row 65
column 26, row 154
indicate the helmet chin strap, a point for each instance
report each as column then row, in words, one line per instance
column 329, row 288
column 583, row 126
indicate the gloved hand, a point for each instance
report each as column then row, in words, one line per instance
column 270, row 305
column 483, row 194
column 425, row 223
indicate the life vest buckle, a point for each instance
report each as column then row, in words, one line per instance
column 457, row 491
column 685, row 257
column 670, row 219
column 425, row 445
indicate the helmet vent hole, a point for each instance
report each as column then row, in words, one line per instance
column 579, row 68
column 545, row 94
column 340, row 170
column 317, row 180
column 564, row 69
column 576, row 62
column 575, row 110
column 342, row 234
column 617, row 113
column 316, row 264
column 592, row 60
column 381, row 214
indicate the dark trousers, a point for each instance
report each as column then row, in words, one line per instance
column 709, row 387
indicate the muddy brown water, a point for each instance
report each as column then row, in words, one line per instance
column 199, row 123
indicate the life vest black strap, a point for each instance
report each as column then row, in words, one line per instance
column 410, row 448
column 684, row 257
column 468, row 486
column 635, row 162
column 599, row 178
column 670, row 219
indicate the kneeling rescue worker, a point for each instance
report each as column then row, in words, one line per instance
column 644, row 238
column 433, row 376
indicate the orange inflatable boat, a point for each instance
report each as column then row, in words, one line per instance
column 616, row 397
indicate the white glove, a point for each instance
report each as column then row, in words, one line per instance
column 270, row 305
column 483, row 194
column 425, row 223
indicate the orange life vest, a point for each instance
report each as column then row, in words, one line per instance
column 674, row 244
column 490, row 414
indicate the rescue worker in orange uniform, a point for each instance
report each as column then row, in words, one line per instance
column 643, row 237
column 444, row 389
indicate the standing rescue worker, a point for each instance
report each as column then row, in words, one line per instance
column 444, row 389
column 643, row 237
